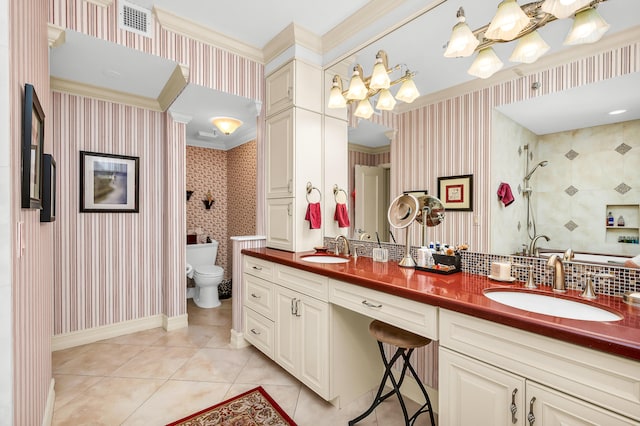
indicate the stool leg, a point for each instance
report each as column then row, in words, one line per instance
column 427, row 403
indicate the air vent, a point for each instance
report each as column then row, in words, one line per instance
column 135, row 19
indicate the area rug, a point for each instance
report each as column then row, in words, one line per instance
column 252, row 408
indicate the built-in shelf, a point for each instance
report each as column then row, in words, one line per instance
column 630, row 232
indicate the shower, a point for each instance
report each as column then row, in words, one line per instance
column 531, row 222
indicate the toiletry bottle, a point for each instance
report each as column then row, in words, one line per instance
column 621, row 221
column 610, row 219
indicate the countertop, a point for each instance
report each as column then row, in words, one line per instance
column 463, row 292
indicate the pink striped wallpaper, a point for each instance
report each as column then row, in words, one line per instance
column 453, row 137
column 32, row 280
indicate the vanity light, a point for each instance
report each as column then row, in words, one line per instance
column 462, row 42
column 563, row 8
column 510, row 19
column 529, row 48
column 226, row 125
column 486, row 64
column 588, row 27
column 363, row 89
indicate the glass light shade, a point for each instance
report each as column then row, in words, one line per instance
column 462, row 43
column 529, row 48
column 357, row 89
column 408, row 92
column 385, row 101
column 379, row 77
column 563, row 8
column 588, row 27
column 364, row 109
column 508, row 22
column 486, row 64
column 336, row 99
column 226, row 125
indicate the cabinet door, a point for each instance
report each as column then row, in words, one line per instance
column 552, row 408
column 280, row 155
column 280, row 226
column 313, row 322
column 280, row 89
column 287, row 346
column 473, row 393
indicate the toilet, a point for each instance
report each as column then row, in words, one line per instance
column 202, row 258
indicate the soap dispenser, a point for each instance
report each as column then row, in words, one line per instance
column 621, row 221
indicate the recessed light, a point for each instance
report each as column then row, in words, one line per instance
column 617, row 111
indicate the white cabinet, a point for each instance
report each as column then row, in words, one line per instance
column 296, row 83
column 280, row 155
column 280, row 226
column 482, row 363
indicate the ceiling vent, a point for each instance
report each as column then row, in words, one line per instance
column 135, row 19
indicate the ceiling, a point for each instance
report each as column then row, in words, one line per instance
column 418, row 44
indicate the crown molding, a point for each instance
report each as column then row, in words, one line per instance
column 101, row 3
column 356, row 22
column 292, row 35
column 56, row 35
column 196, row 31
column 176, row 83
column 369, row 150
column 180, row 118
column 81, row 89
column 628, row 37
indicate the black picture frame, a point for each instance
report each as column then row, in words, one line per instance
column 32, row 146
column 109, row 183
column 456, row 192
column 49, row 178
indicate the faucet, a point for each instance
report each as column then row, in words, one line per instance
column 558, row 279
column 347, row 250
column 365, row 236
column 533, row 251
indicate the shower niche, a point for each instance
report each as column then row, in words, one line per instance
column 627, row 233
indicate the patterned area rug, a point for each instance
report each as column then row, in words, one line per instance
column 252, row 408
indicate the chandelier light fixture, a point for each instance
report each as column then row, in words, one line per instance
column 513, row 22
column 362, row 89
column 226, row 125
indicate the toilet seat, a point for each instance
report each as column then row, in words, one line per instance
column 209, row 271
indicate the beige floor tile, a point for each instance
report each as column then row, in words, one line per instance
column 194, row 336
column 99, row 359
column 146, row 337
column 312, row 410
column 221, row 337
column 109, row 402
column 214, row 365
column 177, row 399
column 215, row 316
column 61, row 357
column 69, row 386
column 261, row 370
column 156, row 362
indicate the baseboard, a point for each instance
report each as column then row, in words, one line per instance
column 47, row 418
column 175, row 323
column 237, row 340
column 83, row 337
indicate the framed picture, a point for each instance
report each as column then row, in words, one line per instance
column 456, row 192
column 108, row 183
column 48, row 210
column 32, row 145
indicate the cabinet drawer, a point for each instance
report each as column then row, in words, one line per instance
column 407, row 314
column 258, row 295
column 258, row 267
column 313, row 285
column 259, row 331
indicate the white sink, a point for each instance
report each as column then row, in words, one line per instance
column 554, row 306
column 324, row 259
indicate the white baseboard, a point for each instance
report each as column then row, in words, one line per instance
column 175, row 323
column 237, row 340
column 47, row 418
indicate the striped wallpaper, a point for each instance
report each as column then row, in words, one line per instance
column 24, row 398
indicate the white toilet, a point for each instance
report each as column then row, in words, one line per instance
column 207, row 276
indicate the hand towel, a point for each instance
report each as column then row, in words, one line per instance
column 313, row 215
column 342, row 215
column 504, row 194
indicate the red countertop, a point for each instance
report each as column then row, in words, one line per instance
column 463, row 292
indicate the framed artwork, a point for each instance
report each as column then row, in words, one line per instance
column 109, row 183
column 48, row 210
column 32, row 145
column 456, row 192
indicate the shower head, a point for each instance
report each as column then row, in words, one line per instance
column 540, row 164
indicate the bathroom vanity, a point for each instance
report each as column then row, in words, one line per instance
column 497, row 365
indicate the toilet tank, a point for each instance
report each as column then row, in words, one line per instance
column 202, row 254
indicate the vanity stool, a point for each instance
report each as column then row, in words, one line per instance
column 406, row 342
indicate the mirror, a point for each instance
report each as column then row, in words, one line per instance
column 430, row 32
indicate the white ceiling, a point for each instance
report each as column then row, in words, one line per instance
column 419, row 44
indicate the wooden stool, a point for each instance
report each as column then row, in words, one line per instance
column 406, row 342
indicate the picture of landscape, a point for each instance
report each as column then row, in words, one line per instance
column 109, row 182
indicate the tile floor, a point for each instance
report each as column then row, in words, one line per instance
column 155, row 377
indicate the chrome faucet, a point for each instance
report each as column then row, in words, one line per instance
column 347, row 250
column 533, row 250
column 558, row 278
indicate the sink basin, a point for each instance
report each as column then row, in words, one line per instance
column 324, row 259
column 554, row 306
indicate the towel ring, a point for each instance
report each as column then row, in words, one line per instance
column 340, row 195
column 310, row 189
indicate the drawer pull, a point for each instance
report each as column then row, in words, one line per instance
column 255, row 296
column 371, row 305
column 531, row 418
column 256, row 332
column 257, row 268
column 514, row 407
